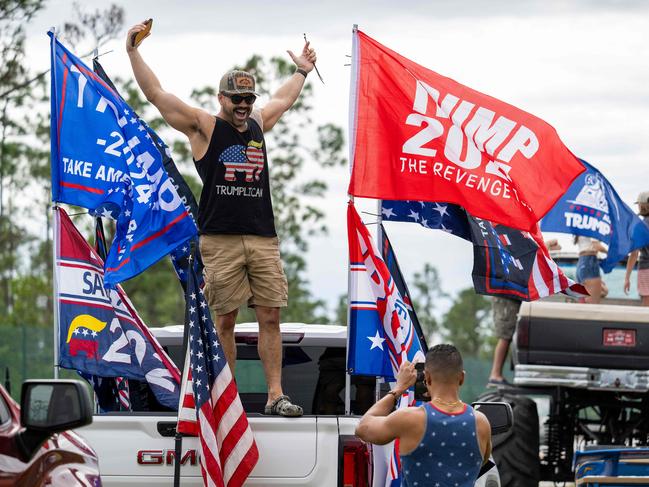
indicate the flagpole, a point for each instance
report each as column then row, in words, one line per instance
column 379, row 244
column 352, row 138
column 56, row 230
column 178, row 440
column 55, row 236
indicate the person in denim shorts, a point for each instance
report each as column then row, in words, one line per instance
column 588, row 272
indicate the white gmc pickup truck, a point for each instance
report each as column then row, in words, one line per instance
column 319, row 449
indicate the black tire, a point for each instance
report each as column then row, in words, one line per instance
column 516, row 452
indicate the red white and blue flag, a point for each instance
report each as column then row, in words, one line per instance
column 418, row 135
column 506, row 261
column 381, row 332
column 516, row 264
column 210, row 406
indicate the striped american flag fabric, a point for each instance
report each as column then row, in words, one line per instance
column 121, row 383
column 210, row 407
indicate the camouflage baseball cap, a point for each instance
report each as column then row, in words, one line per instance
column 237, row 82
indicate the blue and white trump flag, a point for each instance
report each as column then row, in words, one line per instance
column 381, row 332
column 103, row 159
column 592, row 208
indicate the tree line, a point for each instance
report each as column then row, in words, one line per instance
column 298, row 196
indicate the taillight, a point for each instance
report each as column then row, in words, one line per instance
column 357, row 462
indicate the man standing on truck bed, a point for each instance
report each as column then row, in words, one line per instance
column 238, row 242
column 444, row 442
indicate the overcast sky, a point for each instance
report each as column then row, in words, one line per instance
column 581, row 66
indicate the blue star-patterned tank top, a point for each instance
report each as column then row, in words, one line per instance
column 448, row 455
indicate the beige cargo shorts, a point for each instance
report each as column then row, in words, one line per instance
column 240, row 269
column 505, row 314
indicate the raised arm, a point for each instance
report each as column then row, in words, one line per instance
column 286, row 95
column 177, row 113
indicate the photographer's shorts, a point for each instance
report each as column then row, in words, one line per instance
column 505, row 313
column 240, row 269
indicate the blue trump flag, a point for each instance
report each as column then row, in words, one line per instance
column 180, row 255
column 104, row 159
column 592, row 208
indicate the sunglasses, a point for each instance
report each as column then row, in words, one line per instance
column 236, row 99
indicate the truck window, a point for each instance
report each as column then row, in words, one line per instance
column 313, row 376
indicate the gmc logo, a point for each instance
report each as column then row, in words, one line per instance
column 164, row 457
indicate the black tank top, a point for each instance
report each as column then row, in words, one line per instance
column 236, row 192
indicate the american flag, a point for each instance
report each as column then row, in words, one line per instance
column 247, row 159
column 211, row 407
column 121, row 383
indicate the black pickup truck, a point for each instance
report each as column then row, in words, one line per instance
column 583, row 369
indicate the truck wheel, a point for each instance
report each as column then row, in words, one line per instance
column 516, row 452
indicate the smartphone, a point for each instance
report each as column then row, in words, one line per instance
column 421, row 393
column 138, row 36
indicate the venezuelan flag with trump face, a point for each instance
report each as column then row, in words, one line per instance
column 100, row 333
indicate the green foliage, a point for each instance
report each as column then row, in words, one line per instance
column 25, row 217
column 340, row 313
column 427, row 292
column 467, row 323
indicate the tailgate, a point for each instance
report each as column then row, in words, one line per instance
column 137, row 449
column 584, row 335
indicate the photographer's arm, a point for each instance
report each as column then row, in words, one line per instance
column 377, row 425
column 484, row 434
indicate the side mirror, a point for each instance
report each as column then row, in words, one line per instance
column 499, row 415
column 51, row 406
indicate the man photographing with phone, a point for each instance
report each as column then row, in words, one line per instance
column 238, row 241
column 445, row 442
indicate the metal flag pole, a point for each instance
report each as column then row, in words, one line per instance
column 379, row 245
column 352, row 139
column 178, row 439
column 56, row 238
column 56, row 230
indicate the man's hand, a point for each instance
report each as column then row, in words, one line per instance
column 133, row 31
column 406, row 376
column 306, row 60
column 627, row 285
